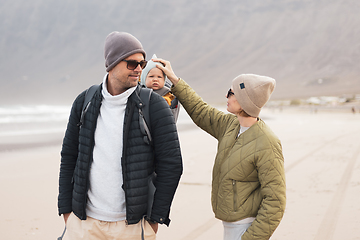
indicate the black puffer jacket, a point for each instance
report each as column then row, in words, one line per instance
column 139, row 160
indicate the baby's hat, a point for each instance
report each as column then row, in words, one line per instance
column 150, row 65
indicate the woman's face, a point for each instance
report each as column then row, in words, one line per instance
column 155, row 79
column 232, row 104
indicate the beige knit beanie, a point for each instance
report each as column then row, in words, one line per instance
column 252, row 92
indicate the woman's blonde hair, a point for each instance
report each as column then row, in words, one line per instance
column 243, row 113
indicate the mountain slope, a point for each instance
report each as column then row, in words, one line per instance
column 52, row 50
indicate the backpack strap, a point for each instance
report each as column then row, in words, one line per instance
column 144, row 119
column 88, row 96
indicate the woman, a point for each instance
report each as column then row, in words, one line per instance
column 248, row 185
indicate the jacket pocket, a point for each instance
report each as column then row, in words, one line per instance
column 235, row 195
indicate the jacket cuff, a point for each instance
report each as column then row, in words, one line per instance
column 158, row 219
column 64, row 210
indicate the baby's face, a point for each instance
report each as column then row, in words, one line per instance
column 155, row 79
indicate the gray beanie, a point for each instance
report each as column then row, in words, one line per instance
column 150, row 65
column 118, row 46
column 252, row 92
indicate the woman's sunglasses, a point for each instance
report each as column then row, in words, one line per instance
column 132, row 64
column 229, row 93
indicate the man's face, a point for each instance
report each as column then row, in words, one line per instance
column 121, row 78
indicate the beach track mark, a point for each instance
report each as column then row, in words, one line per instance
column 297, row 162
column 201, row 229
column 328, row 225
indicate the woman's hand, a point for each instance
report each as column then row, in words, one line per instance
column 166, row 68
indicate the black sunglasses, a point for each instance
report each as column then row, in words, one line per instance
column 229, row 93
column 132, row 64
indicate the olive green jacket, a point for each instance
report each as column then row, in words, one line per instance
column 248, row 174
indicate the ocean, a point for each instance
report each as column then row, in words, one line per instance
column 24, row 126
column 20, row 120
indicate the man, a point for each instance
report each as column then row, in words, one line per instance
column 105, row 162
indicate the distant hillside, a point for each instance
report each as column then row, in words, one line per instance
column 52, row 50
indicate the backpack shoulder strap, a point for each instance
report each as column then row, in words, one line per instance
column 144, row 120
column 145, row 94
column 88, row 96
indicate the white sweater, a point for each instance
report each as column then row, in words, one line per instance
column 106, row 198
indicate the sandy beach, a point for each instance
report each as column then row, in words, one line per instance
column 322, row 164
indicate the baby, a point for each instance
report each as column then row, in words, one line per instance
column 153, row 77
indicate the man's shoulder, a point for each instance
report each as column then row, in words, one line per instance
column 158, row 101
column 81, row 95
column 159, row 108
column 78, row 102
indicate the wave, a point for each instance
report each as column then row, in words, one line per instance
column 22, row 120
column 33, row 114
column 32, row 132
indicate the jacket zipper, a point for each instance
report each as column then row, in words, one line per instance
column 234, row 182
column 235, row 195
column 88, row 181
column 127, row 121
column 89, row 166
